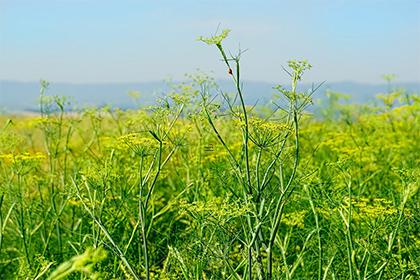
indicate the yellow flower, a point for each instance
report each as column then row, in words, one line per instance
column 137, row 143
column 22, row 158
column 216, row 39
column 294, row 219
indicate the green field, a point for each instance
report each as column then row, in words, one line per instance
column 204, row 186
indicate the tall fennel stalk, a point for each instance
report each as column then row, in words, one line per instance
column 52, row 109
column 256, row 190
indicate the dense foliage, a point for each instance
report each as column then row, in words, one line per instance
column 205, row 187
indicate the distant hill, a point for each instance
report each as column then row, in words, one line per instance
column 18, row 96
column 24, row 96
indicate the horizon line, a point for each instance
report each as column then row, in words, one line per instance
column 217, row 80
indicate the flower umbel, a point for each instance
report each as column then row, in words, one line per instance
column 216, row 39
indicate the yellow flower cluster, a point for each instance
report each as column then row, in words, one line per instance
column 366, row 209
column 373, row 208
column 264, row 133
column 181, row 129
column 133, row 141
column 336, row 141
column 216, row 39
column 267, row 126
column 214, row 156
column 217, row 208
column 22, row 158
column 294, row 219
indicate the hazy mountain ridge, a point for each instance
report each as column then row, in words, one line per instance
column 23, row 96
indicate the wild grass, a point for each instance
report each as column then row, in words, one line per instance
column 204, row 186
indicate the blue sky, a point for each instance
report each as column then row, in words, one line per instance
column 134, row 41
